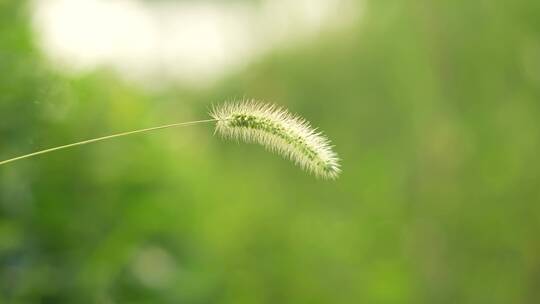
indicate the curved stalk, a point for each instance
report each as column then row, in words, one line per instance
column 84, row 142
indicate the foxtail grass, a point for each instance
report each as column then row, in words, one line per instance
column 268, row 125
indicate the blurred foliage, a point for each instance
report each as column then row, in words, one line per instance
column 433, row 106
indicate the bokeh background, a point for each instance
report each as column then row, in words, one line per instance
column 432, row 105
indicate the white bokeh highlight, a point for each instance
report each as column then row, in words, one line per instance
column 194, row 42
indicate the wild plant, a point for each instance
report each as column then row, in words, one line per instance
column 268, row 125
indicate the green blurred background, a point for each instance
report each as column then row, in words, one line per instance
column 432, row 105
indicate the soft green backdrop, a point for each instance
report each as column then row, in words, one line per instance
column 433, row 106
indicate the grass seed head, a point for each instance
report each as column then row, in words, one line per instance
column 280, row 132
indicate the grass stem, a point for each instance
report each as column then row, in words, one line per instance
column 84, row 142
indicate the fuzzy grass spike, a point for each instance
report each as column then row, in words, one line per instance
column 280, row 132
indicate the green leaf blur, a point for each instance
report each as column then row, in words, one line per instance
column 432, row 105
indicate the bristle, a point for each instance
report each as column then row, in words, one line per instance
column 278, row 131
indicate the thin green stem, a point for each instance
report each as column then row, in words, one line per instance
column 103, row 138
